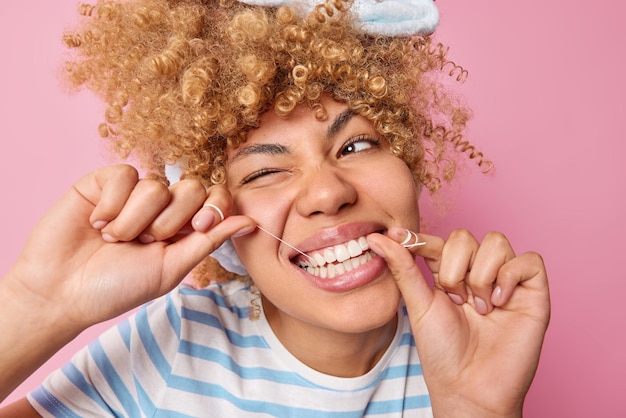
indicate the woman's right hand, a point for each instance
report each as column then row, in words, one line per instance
column 115, row 241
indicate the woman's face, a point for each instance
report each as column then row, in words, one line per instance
column 322, row 186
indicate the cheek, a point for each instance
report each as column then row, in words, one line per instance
column 267, row 209
column 395, row 189
column 270, row 212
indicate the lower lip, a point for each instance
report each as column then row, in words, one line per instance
column 350, row 280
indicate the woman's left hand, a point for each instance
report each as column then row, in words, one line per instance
column 479, row 331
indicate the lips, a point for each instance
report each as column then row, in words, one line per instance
column 332, row 261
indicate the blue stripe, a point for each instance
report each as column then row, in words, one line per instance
column 407, row 339
column 147, row 406
column 52, row 404
column 218, row 300
column 234, row 337
column 113, row 379
column 247, row 373
column 398, row 405
column 166, row 413
column 172, row 314
column 397, row 372
column 151, row 346
column 125, row 332
column 218, row 391
column 77, row 377
column 417, row 401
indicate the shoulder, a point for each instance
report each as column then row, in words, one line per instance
column 217, row 307
column 183, row 314
column 233, row 298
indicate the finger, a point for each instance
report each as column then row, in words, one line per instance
column 494, row 252
column 526, row 270
column 186, row 196
column 456, row 261
column 183, row 255
column 401, row 263
column 217, row 206
column 147, row 199
column 107, row 189
column 430, row 251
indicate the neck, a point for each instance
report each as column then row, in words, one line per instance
column 332, row 352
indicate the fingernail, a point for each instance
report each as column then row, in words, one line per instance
column 203, row 220
column 99, row 224
column 146, row 238
column 480, row 306
column 456, row 298
column 376, row 248
column 398, row 234
column 496, row 295
column 108, row 238
column 243, row 231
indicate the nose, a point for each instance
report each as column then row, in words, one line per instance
column 325, row 190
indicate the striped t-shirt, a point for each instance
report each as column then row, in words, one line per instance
column 196, row 353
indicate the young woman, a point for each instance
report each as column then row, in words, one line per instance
column 304, row 138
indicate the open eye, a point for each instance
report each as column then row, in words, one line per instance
column 358, row 144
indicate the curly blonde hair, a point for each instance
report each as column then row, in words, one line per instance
column 184, row 80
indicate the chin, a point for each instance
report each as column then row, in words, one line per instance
column 375, row 307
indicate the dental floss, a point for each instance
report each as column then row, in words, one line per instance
column 405, row 243
column 284, row 242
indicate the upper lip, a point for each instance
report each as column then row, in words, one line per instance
column 332, row 236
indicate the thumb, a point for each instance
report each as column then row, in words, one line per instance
column 417, row 294
column 186, row 253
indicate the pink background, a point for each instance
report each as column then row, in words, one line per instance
column 547, row 86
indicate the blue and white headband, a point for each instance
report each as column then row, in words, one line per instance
column 379, row 17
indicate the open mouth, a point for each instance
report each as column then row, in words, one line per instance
column 336, row 260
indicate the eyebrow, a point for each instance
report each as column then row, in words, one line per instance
column 277, row 149
column 339, row 123
column 267, row 149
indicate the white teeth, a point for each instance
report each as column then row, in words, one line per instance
column 339, row 253
column 331, row 270
column 354, row 249
column 339, row 269
column 356, row 262
column 319, row 260
column 323, row 272
column 329, row 255
column 337, row 260
column 342, row 253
